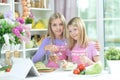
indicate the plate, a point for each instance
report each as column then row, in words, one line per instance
column 2, row 72
column 67, row 69
column 92, row 75
column 46, row 70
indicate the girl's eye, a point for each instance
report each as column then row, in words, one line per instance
column 61, row 24
column 75, row 29
column 70, row 31
column 54, row 25
column 57, row 24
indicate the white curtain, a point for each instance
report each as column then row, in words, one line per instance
column 66, row 7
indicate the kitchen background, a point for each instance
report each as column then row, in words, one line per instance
column 102, row 19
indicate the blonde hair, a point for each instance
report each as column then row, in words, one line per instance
column 53, row 17
column 83, row 39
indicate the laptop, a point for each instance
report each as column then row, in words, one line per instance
column 23, row 68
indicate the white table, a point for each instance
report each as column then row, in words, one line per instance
column 64, row 75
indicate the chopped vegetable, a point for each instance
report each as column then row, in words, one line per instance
column 96, row 68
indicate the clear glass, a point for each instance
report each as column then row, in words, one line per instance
column 54, row 57
column 2, row 62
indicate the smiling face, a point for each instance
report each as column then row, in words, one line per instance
column 77, row 33
column 57, row 28
column 73, row 32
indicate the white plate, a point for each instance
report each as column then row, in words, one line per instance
column 1, row 72
column 67, row 69
column 92, row 75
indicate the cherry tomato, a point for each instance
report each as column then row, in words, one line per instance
column 81, row 67
column 7, row 70
column 76, row 71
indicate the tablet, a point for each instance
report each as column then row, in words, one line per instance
column 23, row 68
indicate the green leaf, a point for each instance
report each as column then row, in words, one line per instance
column 96, row 68
column 112, row 54
column 28, row 20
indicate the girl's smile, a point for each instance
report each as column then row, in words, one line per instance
column 57, row 28
column 73, row 31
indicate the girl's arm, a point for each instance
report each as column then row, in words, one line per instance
column 51, row 48
column 96, row 58
column 93, row 51
column 96, row 44
column 40, row 52
column 86, row 60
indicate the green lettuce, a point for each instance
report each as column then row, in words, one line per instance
column 96, row 68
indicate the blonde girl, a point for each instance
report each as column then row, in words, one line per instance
column 55, row 42
column 82, row 49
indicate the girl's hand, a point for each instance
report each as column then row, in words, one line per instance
column 54, row 57
column 86, row 60
column 97, row 45
column 52, row 48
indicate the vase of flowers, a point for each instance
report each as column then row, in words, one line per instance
column 12, row 32
column 15, row 30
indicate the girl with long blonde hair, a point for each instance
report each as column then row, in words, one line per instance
column 82, row 49
column 55, row 42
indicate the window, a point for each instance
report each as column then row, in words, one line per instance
column 102, row 20
column 87, row 11
column 112, row 22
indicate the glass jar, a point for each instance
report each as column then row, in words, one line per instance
column 2, row 62
column 39, row 3
column 8, row 56
column 32, row 2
